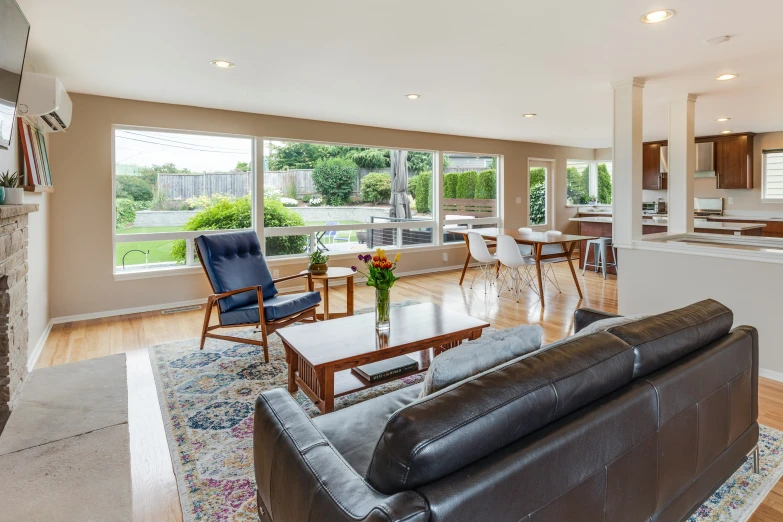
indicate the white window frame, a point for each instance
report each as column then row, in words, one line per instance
column 593, row 181
column 549, row 183
column 497, row 220
column 190, row 266
column 764, row 197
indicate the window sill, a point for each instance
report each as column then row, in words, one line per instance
column 161, row 272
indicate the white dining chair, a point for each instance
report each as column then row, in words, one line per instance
column 515, row 267
column 487, row 262
column 546, row 264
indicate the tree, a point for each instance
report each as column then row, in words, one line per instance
column 486, row 188
column 578, row 184
column 295, row 155
column 335, row 179
column 466, row 185
column 306, row 155
column 604, row 185
column 537, row 196
column 450, row 185
column 242, row 166
column 133, row 187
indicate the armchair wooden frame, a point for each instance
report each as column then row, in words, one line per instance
column 267, row 327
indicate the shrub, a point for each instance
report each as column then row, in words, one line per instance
column 225, row 213
column 133, row 187
column 537, row 204
column 466, row 185
column 316, row 202
column 413, row 181
column 126, row 213
column 376, row 187
column 424, row 192
column 450, row 185
column 486, row 188
column 289, row 202
column 335, row 179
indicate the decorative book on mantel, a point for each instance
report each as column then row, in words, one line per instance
column 37, row 175
column 385, row 369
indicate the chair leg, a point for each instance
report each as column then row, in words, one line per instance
column 265, row 341
column 207, row 315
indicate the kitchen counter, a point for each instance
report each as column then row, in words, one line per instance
column 706, row 226
column 602, row 227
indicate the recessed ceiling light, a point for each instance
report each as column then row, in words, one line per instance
column 654, row 17
column 726, row 77
column 529, row 115
column 223, row 64
column 725, row 132
column 413, row 96
column 723, row 119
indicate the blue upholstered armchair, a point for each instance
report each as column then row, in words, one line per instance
column 243, row 287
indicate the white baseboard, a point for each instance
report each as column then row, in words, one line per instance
column 126, row 311
column 32, row 359
column 769, row 374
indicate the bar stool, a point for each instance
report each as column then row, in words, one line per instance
column 599, row 255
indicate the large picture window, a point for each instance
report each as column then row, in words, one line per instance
column 170, row 187
column 589, row 182
column 338, row 199
column 469, row 193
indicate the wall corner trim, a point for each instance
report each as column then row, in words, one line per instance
column 32, row 359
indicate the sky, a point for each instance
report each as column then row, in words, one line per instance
column 195, row 152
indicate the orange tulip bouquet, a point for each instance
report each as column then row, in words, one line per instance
column 380, row 274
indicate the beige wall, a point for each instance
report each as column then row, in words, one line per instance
column 38, row 251
column 81, row 280
column 745, row 199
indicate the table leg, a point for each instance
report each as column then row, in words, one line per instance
column 293, row 364
column 326, row 382
column 349, row 295
column 570, row 253
column 539, row 247
column 326, row 299
column 467, row 261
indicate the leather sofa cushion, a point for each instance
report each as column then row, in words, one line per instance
column 354, row 431
column 463, row 423
column 473, row 357
column 234, row 260
column 664, row 338
column 277, row 307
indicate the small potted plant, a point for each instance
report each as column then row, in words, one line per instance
column 317, row 264
column 12, row 193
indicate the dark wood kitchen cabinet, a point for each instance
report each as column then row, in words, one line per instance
column 734, row 161
column 652, row 179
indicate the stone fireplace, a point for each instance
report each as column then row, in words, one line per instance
column 13, row 305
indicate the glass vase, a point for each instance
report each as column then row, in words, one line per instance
column 382, row 307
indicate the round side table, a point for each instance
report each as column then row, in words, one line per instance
column 334, row 273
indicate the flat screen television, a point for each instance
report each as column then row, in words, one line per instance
column 14, row 30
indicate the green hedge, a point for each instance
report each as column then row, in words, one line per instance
column 466, row 185
column 486, row 188
column 126, row 213
column 376, row 187
column 424, row 192
column 133, row 187
column 335, row 179
column 413, row 181
column 450, row 185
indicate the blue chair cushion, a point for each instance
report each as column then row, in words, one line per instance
column 278, row 307
column 234, row 260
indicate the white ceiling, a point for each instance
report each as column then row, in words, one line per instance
column 478, row 64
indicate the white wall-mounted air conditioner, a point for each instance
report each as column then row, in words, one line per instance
column 44, row 97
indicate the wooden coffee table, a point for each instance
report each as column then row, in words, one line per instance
column 320, row 355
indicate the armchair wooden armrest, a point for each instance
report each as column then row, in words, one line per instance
column 308, row 275
column 234, row 292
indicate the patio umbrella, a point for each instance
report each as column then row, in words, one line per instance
column 400, row 204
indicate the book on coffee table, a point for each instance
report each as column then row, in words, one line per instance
column 380, row 370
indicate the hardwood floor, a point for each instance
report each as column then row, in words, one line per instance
column 155, row 496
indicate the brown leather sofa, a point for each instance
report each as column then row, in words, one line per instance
column 641, row 422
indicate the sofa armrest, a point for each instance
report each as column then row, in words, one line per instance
column 585, row 316
column 302, row 478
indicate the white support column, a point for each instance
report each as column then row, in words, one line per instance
column 682, row 163
column 627, row 162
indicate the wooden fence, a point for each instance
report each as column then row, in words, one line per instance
column 185, row 186
column 471, row 207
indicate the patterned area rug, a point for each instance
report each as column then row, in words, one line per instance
column 207, row 399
